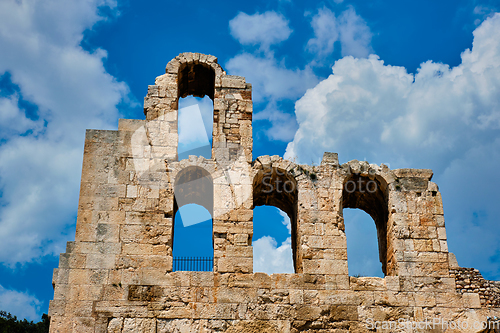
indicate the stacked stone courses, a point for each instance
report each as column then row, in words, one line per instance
column 469, row 280
column 117, row 276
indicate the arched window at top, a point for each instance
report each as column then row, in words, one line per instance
column 362, row 245
column 276, row 187
column 196, row 84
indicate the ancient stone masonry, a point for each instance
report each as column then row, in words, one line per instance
column 117, row 276
column 469, row 280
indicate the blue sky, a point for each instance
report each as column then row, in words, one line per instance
column 415, row 84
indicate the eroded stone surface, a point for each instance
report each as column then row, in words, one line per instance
column 117, row 276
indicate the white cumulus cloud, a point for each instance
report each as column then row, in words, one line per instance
column 445, row 118
column 270, row 258
column 40, row 170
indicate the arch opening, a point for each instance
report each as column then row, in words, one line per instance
column 276, row 187
column 196, row 91
column 197, row 80
column 192, row 240
column 362, row 247
column 370, row 195
column 272, row 248
column 193, row 247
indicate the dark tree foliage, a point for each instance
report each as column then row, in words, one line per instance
column 10, row 324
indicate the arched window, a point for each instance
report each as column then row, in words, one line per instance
column 272, row 244
column 193, row 212
column 369, row 195
column 196, row 80
column 196, row 84
column 277, row 188
column 193, row 248
column 362, row 247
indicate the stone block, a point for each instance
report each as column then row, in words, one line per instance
column 241, row 239
column 471, row 300
column 367, row 284
column 115, row 325
column 262, row 280
column 427, row 257
column 235, row 264
column 72, row 260
column 99, row 261
column 439, row 220
column 307, row 312
column 132, row 191
column 227, row 311
column 236, row 295
column 441, row 233
column 235, row 251
column 392, row 299
column 449, row 300
column 422, row 232
column 85, row 292
column 342, row 298
column 83, row 324
column 143, row 325
column 57, row 308
column 423, row 245
column 443, row 245
column 296, row 296
column 331, row 159
column 106, row 232
column 453, row 261
column 86, row 231
column 425, row 299
column 433, row 269
column 392, row 283
column 413, row 173
column 232, row 81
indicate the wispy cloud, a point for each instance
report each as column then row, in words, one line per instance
column 326, row 33
column 271, row 79
column 355, row 35
column 259, row 29
column 283, row 124
column 20, row 304
column 349, row 29
column 40, row 160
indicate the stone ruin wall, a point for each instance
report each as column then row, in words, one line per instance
column 469, row 280
column 117, row 275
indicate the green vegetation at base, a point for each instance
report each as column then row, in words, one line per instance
column 10, row 324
